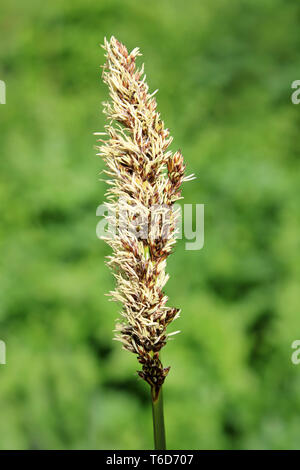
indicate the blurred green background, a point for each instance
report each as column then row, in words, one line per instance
column 224, row 71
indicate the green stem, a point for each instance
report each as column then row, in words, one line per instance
column 158, row 419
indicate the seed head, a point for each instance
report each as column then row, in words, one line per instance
column 145, row 181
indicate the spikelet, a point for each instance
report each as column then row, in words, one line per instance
column 143, row 175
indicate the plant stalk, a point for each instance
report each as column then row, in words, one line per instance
column 158, row 419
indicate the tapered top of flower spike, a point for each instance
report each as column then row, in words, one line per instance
column 133, row 106
column 144, row 174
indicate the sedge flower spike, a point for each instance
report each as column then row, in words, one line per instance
column 143, row 175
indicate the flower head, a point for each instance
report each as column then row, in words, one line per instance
column 144, row 183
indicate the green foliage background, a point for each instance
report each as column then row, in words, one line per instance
column 224, row 70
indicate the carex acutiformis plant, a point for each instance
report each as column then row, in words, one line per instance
column 144, row 183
